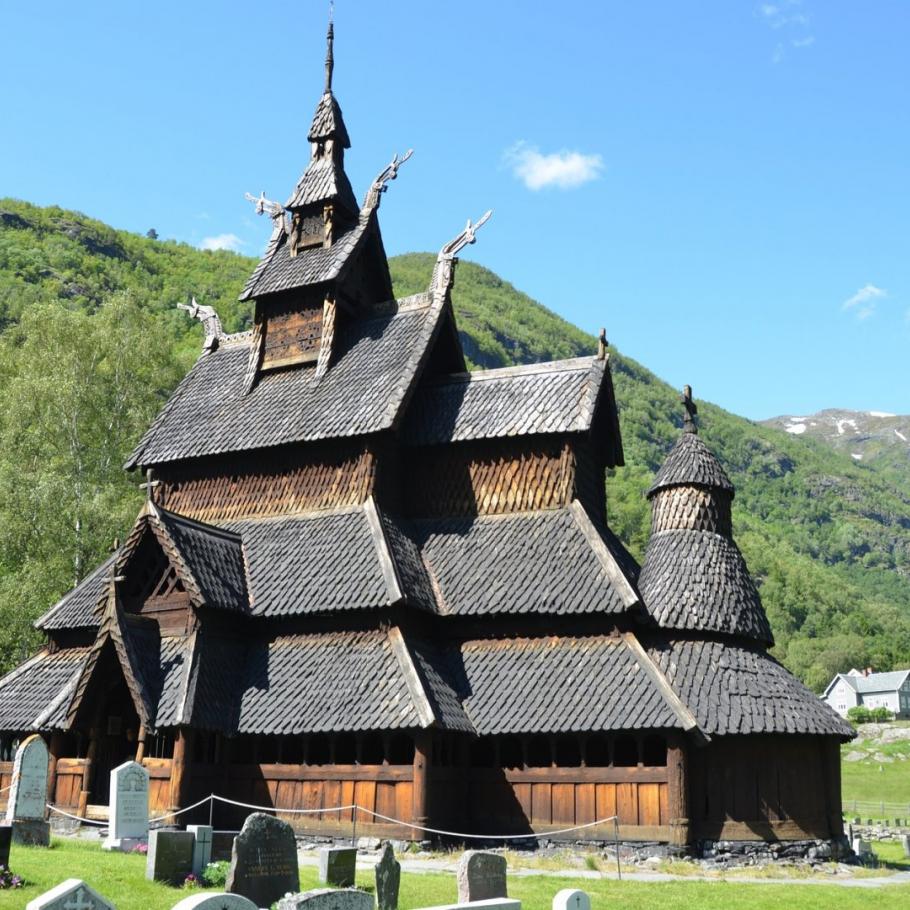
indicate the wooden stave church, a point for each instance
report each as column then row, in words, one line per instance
column 351, row 551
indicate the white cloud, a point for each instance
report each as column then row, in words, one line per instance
column 222, row 242
column 808, row 41
column 786, row 17
column 564, row 169
column 864, row 300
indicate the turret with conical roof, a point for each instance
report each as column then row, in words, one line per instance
column 694, row 577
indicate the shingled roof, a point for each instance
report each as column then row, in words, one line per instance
column 557, row 397
column 78, row 608
column 561, row 685
column 36, row 695
column 734, row 689
column 377, row 362
column 691, row 462
column 554, row 561
column 328, row 122
column 323, row 179
column 699, row 580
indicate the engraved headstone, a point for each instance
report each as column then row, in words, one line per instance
column 202, row 846
column 905, row 843
column 211, row 901
column 170, row 856
column 6, row 835
column 129, row 810
column 388, row 879
column 481, row 876
column 73, row 894
column 264, row 860
column 572, row 899
column 28, row 794
column 337, row 866
column 328, row 899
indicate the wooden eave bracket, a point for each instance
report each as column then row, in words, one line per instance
column 415, row 685
column 684, row 715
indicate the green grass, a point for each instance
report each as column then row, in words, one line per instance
column 875, row 781
column 121, row 878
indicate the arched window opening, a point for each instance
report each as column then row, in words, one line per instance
column 540, row 755
column 371, row 749
column 568, row 752
column 625, row 752
column 654, row 752
column 511, row 754
column 597, row 751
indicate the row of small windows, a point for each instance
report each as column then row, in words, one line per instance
column 315, row 749
column 569, row 751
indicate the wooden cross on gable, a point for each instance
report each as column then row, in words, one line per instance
column 149, row 485
column 689, row 425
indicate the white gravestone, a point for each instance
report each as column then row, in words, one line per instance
column 202, row 846
column 28, row 794
column 129, row 811
column 571, row 899
column 73, row 894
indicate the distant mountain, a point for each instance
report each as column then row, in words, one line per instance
column 872, row 437
column 826, row 536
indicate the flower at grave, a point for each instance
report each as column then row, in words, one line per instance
column 8, row 880
column 191, row 881
column 141, row 848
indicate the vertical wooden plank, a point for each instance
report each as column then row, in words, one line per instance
column 585, row 804
column 627, row 803
column 385, row 800
column 347, row 797
column 365, row 797
column 331, row 796
column 563, row 796
column 664, row 799
column 404, row 798
column 605, row 800
column 523, row 796
column 541, row 804
column 648, row 804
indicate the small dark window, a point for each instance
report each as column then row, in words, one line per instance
column 597, row 751
column 371, row 750
column 511, row 753
column 568, row 752
column 625, row 752
column 291, row 750
column 160, row 746
column 401, row 749
column 345, row 749
column 268, row 750
column 540, row 755
column 483, row 754
column 317, row 749
column 654, row 752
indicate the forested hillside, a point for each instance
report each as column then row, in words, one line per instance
column 91, row 344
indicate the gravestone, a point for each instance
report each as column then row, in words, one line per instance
column 328, row 899
column 170, row 856
column 28, row 794
column 571, row 899
column 861, row 847
column 905, row 843
column 215, row 902
column 264, row 860
column 337, row 866
column 73, row 894
column 129, row 812
column 6, row 836
column 202, row 846
column 481, row 876
column 388, row 879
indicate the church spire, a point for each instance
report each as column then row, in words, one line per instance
column 329, row 56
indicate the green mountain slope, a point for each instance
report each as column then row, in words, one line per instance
column 90, row 346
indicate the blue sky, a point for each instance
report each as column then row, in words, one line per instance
column 724, row 185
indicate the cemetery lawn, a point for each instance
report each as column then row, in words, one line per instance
column 121, row 878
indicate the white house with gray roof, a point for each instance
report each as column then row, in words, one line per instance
column 871, row 690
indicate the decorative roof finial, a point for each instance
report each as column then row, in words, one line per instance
column 691, row 410
column 329, row 56
column 209, row 318
column 602, row 345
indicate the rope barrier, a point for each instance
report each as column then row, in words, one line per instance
column 177, row 812
column 79, row 818
column 233, row 802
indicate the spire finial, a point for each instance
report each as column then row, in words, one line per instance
column 602, row 345
column 691, row 410
column 329, row 55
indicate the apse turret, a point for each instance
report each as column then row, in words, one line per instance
column 694, row 576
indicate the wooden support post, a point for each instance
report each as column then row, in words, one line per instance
column 140, row 743
column 678, row 791
column 183, row 743
column 87, row 772
column 55, row 750
column 830, row 754
column 422, row 748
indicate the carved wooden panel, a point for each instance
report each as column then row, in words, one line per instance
column 291, row 335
